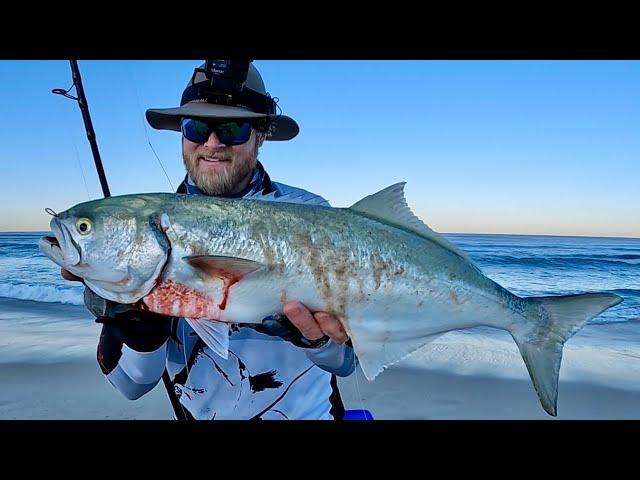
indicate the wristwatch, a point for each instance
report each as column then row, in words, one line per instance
column 279, row 325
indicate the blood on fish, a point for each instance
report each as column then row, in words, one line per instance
column 229, row 279
column 221, row 270
column 171, row 298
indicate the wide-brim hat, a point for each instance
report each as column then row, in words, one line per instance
column 282, row 126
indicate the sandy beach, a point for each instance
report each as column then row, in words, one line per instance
column 475, row 374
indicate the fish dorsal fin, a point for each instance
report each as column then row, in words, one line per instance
column 390, row 206
column 300, row 197
column 226, row 268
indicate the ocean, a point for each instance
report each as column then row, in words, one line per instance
column 42, row 318
column 528, row 265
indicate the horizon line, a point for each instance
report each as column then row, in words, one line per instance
column 441, row 233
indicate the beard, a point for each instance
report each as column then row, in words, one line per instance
column 226, row 180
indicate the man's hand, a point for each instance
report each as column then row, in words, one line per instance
column 315, row 325
column 104, row 310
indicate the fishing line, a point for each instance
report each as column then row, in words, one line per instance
column 355, row 374
column 144, row 125
column 75, row 148
column 186, row 364
column 183, row 322
column 65, row 93
column 184, row 353
column 360, row 396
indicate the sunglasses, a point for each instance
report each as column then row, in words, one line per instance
column 229, row 132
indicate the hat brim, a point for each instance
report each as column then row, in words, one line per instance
column 284, row 128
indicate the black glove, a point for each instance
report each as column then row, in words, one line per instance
column 101, row 307
column 279, row 325
column 140, row 330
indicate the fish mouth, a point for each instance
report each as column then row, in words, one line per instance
column 60, row 248
column 53, row 241
column 51, row 248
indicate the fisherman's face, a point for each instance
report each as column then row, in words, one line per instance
column 219, row 169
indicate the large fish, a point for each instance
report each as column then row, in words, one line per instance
column 394, row 283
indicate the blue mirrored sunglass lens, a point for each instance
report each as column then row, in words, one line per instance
column 195, row 130
column 233, row 133
column 229, row 133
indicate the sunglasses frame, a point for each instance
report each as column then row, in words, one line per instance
column 214, row 126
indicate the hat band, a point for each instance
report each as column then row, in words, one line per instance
column 246, row 97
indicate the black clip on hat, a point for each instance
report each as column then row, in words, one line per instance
column 225, row 89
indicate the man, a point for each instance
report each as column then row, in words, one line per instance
column 285, row 368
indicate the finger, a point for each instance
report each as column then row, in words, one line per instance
column 302, row 319
column 331, row 326
column 67, row 275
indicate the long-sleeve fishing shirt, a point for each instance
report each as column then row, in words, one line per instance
column 264, row 376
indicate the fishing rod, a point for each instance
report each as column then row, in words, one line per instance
column 88, row 125
column 91, row 135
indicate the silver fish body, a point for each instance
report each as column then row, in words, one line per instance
column 394, row 284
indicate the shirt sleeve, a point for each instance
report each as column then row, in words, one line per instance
column 137, row 373
column 339, row 359
column 130, row 371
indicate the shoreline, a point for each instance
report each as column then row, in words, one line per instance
column 77, row 390
column 48, row 371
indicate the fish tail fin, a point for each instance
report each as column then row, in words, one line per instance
column 552, row 321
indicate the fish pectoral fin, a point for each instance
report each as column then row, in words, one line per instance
column 226, row 268
column 215, row 334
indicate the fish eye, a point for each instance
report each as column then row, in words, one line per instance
column 83, row 225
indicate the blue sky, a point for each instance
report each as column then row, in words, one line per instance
column 532, row 147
